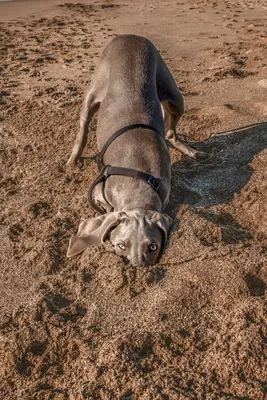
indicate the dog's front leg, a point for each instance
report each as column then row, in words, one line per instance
column 90, row 107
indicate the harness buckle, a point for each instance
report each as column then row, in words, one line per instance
column 104, row 172
column 153, row 182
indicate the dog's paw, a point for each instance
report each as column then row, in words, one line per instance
column 70, row 168
column 71, row 163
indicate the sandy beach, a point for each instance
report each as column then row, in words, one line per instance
column 90, row 327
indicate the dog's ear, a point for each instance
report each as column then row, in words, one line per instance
column 93, row 232
column 163, row 221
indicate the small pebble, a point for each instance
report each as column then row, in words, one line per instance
column 263, row 83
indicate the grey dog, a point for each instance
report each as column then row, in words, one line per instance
column 131, row 85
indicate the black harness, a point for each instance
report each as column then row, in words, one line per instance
column 108, row 170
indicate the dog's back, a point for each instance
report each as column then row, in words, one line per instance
column 128, row 66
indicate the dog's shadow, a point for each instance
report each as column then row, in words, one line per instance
column 227, row 171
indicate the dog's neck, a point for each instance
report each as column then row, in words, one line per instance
column 121, row 201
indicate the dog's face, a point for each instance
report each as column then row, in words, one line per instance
column 140, row 236
column 137, row 236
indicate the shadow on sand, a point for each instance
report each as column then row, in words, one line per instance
column 226, row 173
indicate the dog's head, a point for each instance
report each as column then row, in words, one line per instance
column 136, row 235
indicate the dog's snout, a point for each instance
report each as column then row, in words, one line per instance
column 138, row 261
column 134, row 261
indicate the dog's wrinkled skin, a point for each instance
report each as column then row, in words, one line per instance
column 131, row 84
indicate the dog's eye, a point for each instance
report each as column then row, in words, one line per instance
column 121, row 246
column 153, row 247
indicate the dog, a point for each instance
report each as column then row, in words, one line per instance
column 137, row 101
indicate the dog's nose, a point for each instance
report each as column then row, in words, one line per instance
column 142, row 259
column 138, row 260
column 143, row 262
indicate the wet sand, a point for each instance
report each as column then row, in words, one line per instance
column 192, row 326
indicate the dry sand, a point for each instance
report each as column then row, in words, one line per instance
column 191, row 327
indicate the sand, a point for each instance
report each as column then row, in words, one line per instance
column 194, row 325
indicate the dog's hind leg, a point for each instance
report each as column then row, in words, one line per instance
column 173, row 108
column 172, row 114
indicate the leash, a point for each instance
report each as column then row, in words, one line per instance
column 108, row 170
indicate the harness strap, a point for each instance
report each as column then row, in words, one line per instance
column 99, row 179
column 151, row 180
column 120, row 132
column 109, row 170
